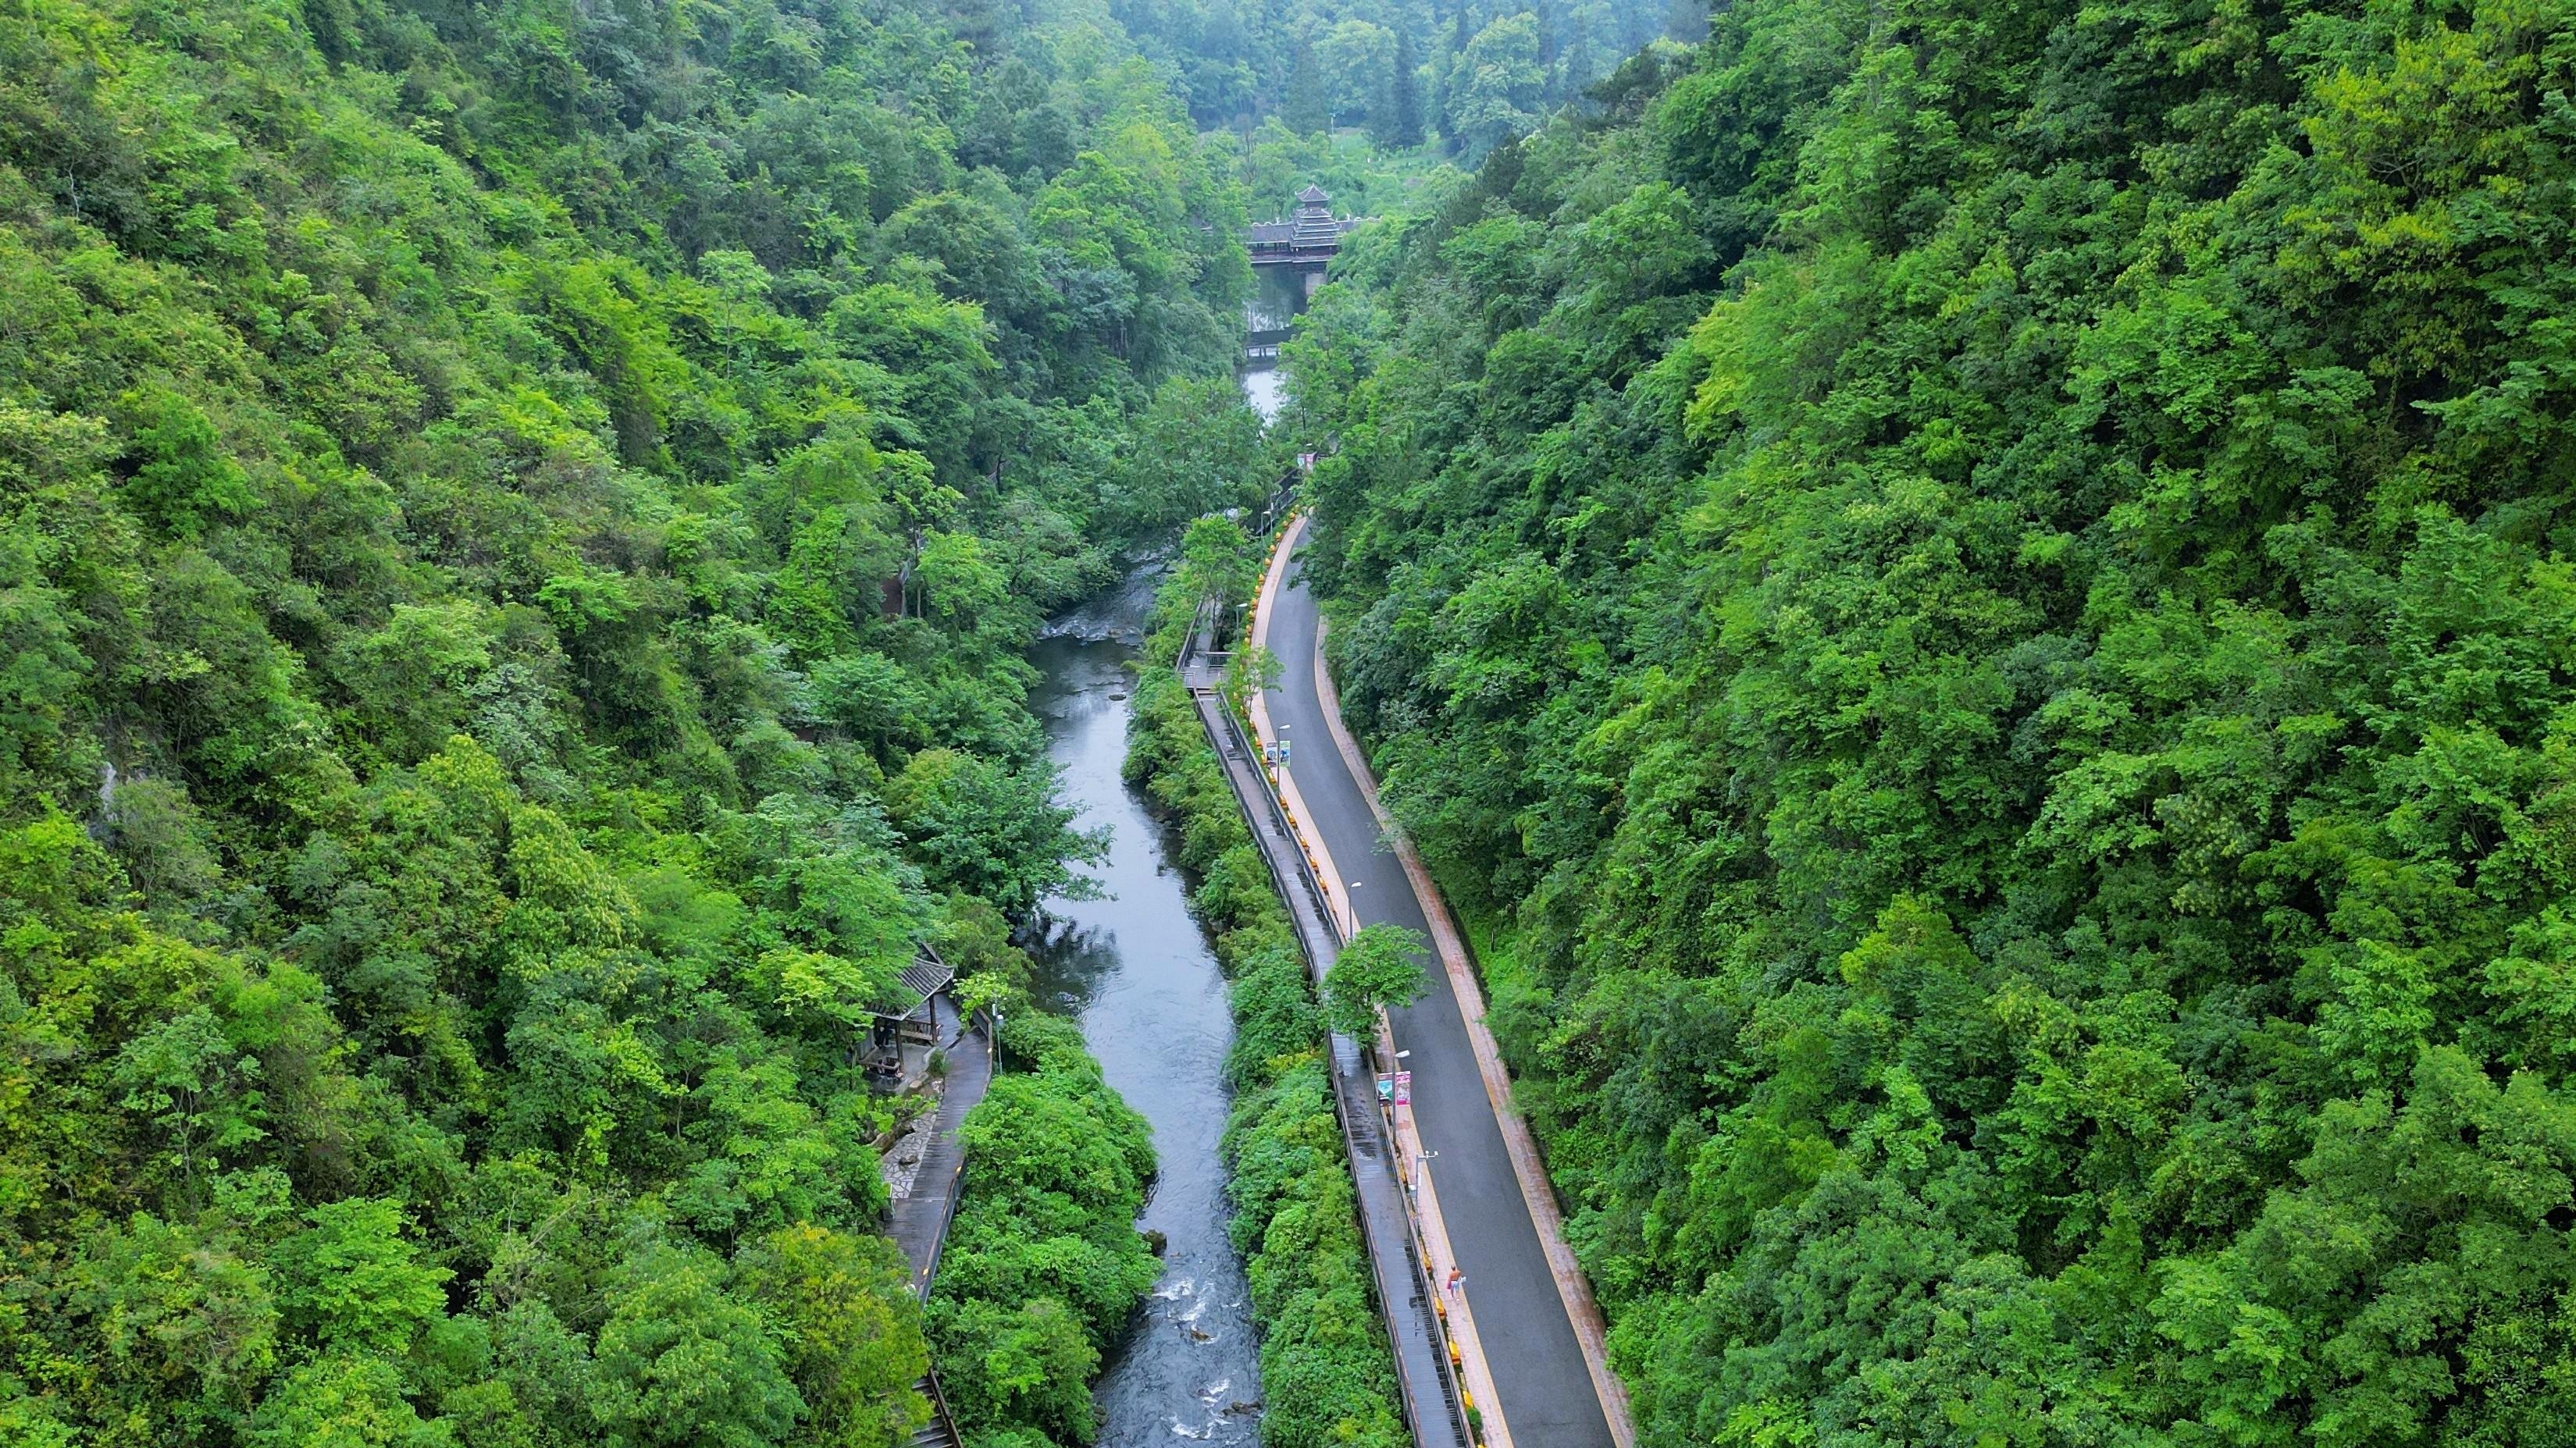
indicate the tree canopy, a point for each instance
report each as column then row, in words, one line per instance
column 1976, row 604
column 519, row 524
column 1379, row 967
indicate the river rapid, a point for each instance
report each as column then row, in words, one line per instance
column 1134, row 969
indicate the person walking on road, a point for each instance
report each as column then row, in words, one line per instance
column 1457, row 1281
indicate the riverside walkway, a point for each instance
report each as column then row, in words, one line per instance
column 928, row 1198
column 1542, row 1336
column 925, row 1197
column 1431, row 1404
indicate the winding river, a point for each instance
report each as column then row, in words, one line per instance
column 1135, row 971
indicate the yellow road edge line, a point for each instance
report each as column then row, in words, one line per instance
column 1478, row 1375
column 1581, row 1309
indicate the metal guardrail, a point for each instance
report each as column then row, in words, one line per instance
column 1312, row 887
column 940, row 1416
column 957, row 1178
column 1350, row 1115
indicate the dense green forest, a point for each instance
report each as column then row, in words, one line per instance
column 518, row 525
column 1467, row 75
column 1980, row 602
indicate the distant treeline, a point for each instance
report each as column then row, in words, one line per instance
column 1468, row 75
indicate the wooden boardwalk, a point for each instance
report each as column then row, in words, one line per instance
column 929, row 1201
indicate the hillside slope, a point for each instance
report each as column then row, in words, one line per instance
column 1983, row 599
column 517, row 528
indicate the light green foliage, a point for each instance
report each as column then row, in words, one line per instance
column 1981, row 598
column 193, row 1085
column 518, row 527
column 853, row 1328
column 681, row 1361
column 1379, row 968
column 1357, row 59
column 993, row 833
column 1197, row 450
column 342, row 1402
column 351, row 1280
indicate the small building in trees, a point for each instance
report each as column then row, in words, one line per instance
column 922, row 1018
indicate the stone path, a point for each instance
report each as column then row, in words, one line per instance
column 930, row 1194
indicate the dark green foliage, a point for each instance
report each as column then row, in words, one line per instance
column 1244, row 63
column 1325, row 1371
column 1980, row 599
column 518, row 527
column 1403, row 124
column 1304, row 109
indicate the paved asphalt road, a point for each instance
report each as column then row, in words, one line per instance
column 1548, row 1398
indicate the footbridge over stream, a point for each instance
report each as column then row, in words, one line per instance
column 1289, row 259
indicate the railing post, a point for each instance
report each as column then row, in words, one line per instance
column 1352, row 1120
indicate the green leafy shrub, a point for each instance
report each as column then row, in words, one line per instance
column 1043, row 1266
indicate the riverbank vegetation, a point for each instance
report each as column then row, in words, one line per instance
column 518, row 525
column 1326, row 1373
column 1985, row 596
column 1044, row 1266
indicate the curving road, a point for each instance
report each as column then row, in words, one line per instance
column 1548, row 1399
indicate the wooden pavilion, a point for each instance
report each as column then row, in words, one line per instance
column 919, row 1021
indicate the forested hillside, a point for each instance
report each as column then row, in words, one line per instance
column 1982, row 598
column 517, row 527
column 1469, row 75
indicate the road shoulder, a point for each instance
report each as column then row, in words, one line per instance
column 1571, row 1285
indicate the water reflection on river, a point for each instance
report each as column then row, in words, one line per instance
column 1134, row 969
column 1262, row 390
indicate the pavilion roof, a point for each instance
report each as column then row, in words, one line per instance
column 927, row 976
